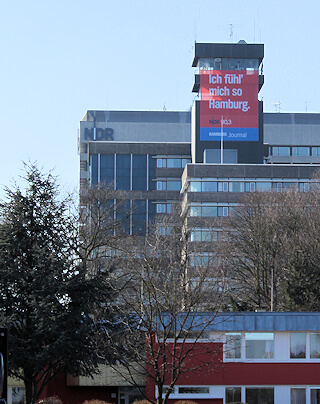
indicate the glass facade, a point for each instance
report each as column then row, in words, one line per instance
column 250, row 185
column 125, row 171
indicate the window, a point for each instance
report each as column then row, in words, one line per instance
column 17, row 395
column 152, row 173
column 316, row 151
column 233, row 394
column 259, row 395
column 173, row 163
column 161, row 185
column 94, row 169
column 298, row 396
column 301, row 151
column 194, row 390
column 233, row 346
column 139, row 172
column 123, row 172
column 209, row 211
column 209, row 186
column 195, row 210
column 236, row 186
column 161, row 163
column 195, row 186
column 164, row 207
column 259, row 345
column 297, row 345
column 185, row 162
column 263, row 186
column 315, row 396
column 139, row 217
column 281, row 151
column 223, row 186
column 173, row 185
column 106, row 168
column 314, row 345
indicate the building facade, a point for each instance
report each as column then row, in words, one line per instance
column 263, row 358
column 207, row 158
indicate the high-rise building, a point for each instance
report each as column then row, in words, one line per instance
column 223, row 147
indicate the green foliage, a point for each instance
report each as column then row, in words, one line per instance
column 46, row 296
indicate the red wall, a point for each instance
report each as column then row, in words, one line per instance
column 78, row 394
column 243, row 373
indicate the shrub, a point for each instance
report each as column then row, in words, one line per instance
column 95, row 401
column 141, row 402
column 185, row 402
column 50, row 400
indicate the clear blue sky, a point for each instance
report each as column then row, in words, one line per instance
column 62, row 57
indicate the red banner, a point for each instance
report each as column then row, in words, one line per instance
column 231, row 95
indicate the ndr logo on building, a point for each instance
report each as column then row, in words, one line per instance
column 98, row 134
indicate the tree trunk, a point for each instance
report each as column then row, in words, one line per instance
column 29, row 392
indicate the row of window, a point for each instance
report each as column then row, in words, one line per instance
column 228, row 64
column 173, row 162
column 246, row 186
column 124, row 171
column 298, row 395
column 294, row 151
column 164, row 207
column 207, row 235
column 250, row 395
column 260, row 345
column 170, row 185
column 207, row 210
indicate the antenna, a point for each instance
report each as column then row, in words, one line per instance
column 231, row 32
column 164, row 107
column 277, row 106
column 306, row 106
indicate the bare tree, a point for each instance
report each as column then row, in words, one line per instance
column 165, row 290
column 273, row 251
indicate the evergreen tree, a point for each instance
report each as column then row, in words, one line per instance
column 47, row 299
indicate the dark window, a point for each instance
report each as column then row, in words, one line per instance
column 123, row 216
column 152, row 173
column 123, row 172
column 298, row 396
column 139, row 217
column 260, row 396
column 107, row 168
column 151, row 212
column 94, row 169
column 139, row 172
column 233, row 394
column 315, row 396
